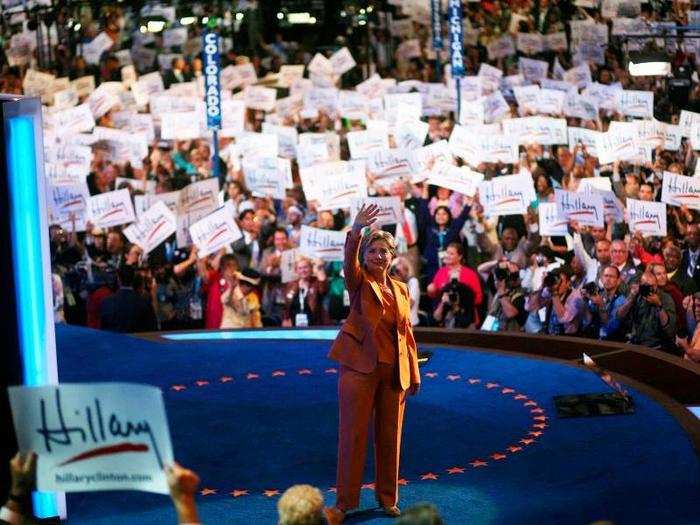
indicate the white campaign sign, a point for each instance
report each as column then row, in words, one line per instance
column 334, row 184
column 422, row 159
column 111, row 209
column 94, row 436
column 637, row 103
column 258, row 97
column 342, row 61
column 550, row 222
column 154, row 226
column 506, row 195
column 680, row 190
column 586, row 208
column 462, row 180
column 387, row 165
column 613, row 207
column 180, row 126
column 328, row 245
column 647, row 217
column 390, row 209
column 64, row 201
column 362, row 142
column 197, row 200
column 215, row 231
column 263, row 176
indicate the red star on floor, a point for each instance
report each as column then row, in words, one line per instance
column 225, row 379
column 333, row 489
column 474, row 381
column 498, row 456
column 279, row 373
column 369, row 486
column 492, row 385
column 331, row 370
column 178, row 388
column 520, row 396
column 478, row 463
column 403, row 481
column 537, row 410
column 455, row 470
column 527, row 441
column 304, row 372
column 431, row 375
column 238, row 493
column 507, row 391
column 530, row 403
column 201, row 382
column 271, row 492
column 540, row 426
column 251, row 375
column 540, row 418
column 453, row 377
column 535, row 434
column 514, row 449
column 429, row 475
column 207, row 492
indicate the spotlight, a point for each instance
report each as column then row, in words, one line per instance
column 652, row 63
column 239, row 16
column 188, row 20
column 280, row 16
column 155, row 26
column 205, row 20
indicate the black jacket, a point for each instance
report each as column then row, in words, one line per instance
column 127, row 311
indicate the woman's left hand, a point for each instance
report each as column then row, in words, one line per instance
column 413, row 389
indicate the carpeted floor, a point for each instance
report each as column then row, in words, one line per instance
column 481, row 440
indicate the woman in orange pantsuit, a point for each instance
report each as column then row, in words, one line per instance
column 378, row 367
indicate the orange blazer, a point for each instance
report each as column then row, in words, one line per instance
column 355, row 346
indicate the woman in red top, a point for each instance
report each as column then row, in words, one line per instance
column 453, row 267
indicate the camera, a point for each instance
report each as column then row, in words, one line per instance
column 591, row 288
column 453, row 291
column 540, row 259
column 550, row 280
column 645, row 290
column 501, row 273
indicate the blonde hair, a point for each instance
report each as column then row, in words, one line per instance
column 374, row 236
column 301, row 505
column 302, row 258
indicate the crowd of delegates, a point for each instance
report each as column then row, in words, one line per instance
column 463, row 269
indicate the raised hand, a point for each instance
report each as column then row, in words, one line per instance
column 366, row 216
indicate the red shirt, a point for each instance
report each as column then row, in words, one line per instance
column 214, row 310
column 94, row 302
column 467, row 276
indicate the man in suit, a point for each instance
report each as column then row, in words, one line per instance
column 247, row 249
column 127, row 311
column 176, row 74
column 672, row 261
column 690, row 262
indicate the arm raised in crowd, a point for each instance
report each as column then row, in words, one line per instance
column 351, row 263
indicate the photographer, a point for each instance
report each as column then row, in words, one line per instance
column 650, row 315
column 566, row 311
column 507, row 311
column 456, row 307
column 603, row 305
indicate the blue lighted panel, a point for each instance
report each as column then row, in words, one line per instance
column 30, row 256
column 321, row 334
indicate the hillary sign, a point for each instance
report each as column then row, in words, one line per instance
column 456, row 47
column 212, row 84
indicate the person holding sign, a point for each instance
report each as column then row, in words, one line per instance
column 304, row 296
column 378, row 367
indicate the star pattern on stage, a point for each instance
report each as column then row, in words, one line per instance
column 537, row 415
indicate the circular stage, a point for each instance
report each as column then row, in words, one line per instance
column 256, row 412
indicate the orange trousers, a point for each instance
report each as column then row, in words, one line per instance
column 359, row 397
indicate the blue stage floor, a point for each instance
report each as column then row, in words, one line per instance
column 481, row 440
